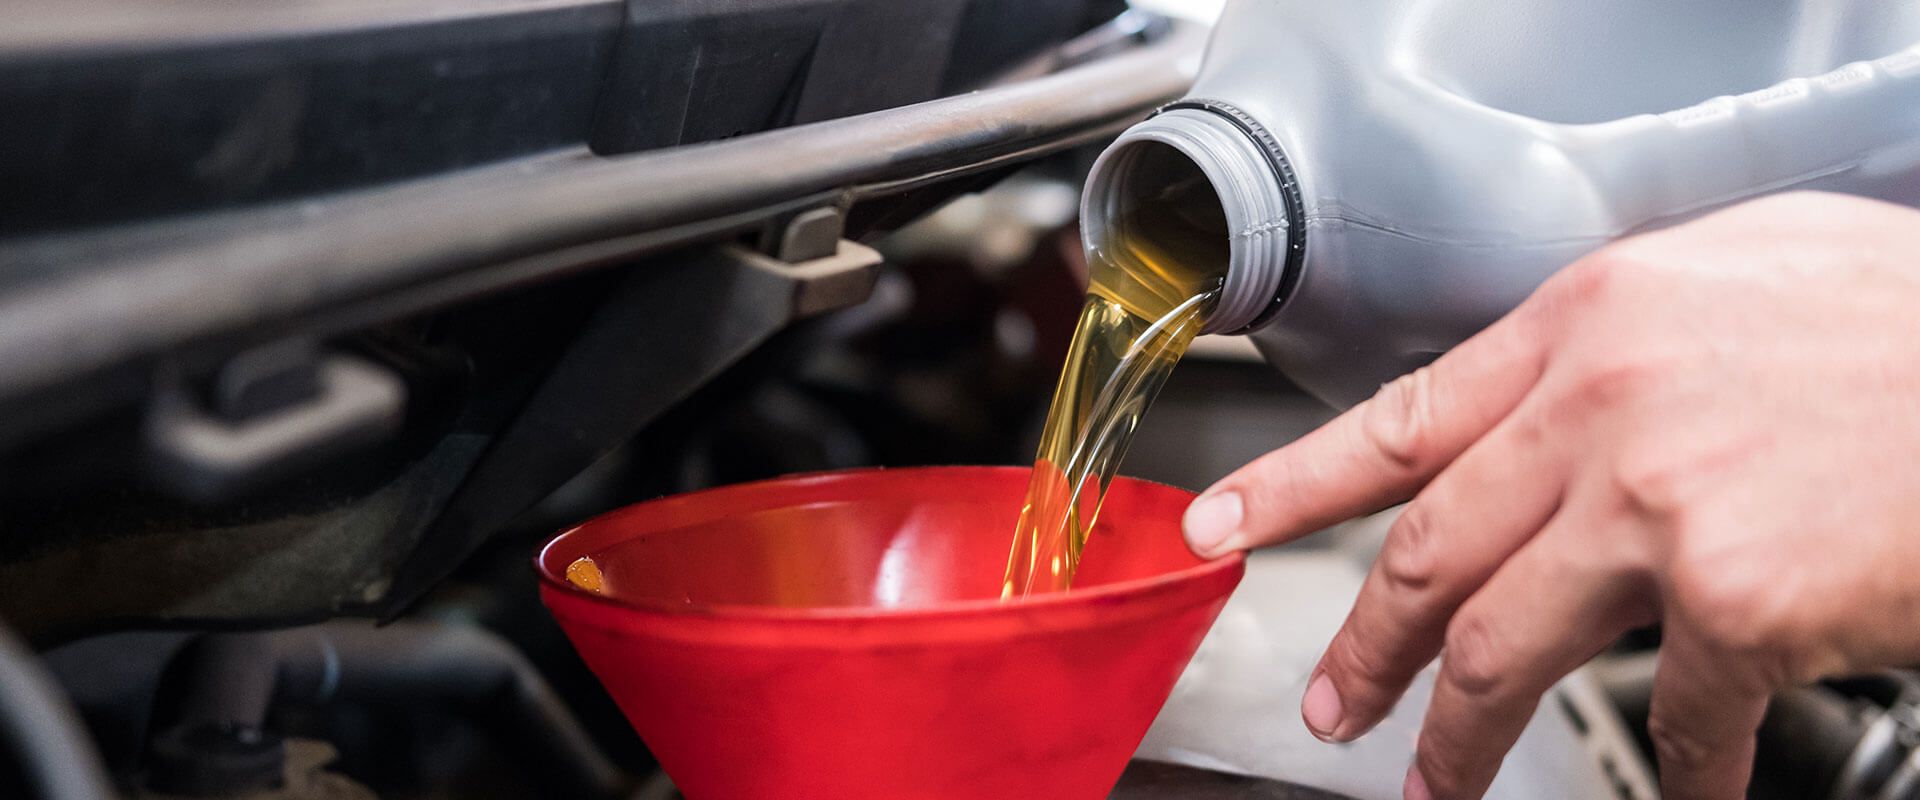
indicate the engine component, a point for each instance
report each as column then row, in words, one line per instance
column 211, row 734
column 41, row 733
column 480, row 280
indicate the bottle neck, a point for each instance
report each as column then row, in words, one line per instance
column 1251, row 182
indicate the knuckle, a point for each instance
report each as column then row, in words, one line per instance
column 1532, row 428
column 1361, row 667
column 1473, row 659
column 1398, row 421
column 1676, row 744
column 1650, row 482
column 1657, row 476
column 1707, row 594
column 1740, row 604
column 1439, row 762
column 1621, row 275
column 1407, row 559
column 1614, row 385
column 1596, row 280
column 1584, row 283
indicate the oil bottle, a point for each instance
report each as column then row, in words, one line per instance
column 1396, row 174
column 1359, row 186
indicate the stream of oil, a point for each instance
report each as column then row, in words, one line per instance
column 1152, row 284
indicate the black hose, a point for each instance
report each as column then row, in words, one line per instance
column 43, row 733
column 1805, row 742
column 230, row 681
column 461, row 668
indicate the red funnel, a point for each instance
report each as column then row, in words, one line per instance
column 840, row 635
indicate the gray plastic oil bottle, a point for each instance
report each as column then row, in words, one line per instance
column 1396, row 174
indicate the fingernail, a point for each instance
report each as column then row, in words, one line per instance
column 1321, row 707
column 1416, row 786
column 1212, row 520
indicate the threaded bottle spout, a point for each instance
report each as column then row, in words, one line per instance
column 1225, row 177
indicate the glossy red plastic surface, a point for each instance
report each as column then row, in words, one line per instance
column 840, row 635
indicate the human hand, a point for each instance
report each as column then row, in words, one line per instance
column 1715, row 427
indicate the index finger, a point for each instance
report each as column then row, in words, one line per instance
column 1379, row 452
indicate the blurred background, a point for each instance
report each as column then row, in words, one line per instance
column 322, row 313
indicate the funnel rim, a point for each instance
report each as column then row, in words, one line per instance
column 671, row 610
